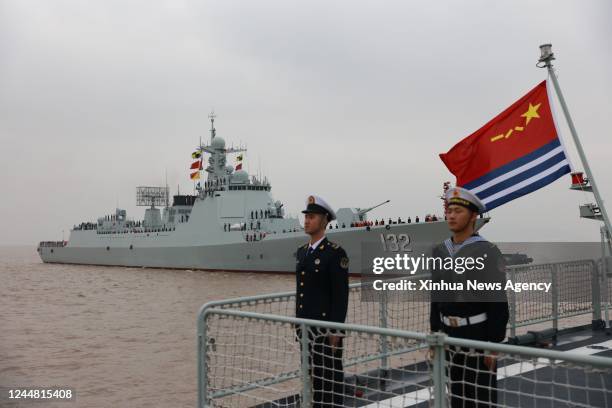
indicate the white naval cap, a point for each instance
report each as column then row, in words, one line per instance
column 315, row 204
column 465, row 198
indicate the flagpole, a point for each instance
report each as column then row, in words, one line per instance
column 546, row 58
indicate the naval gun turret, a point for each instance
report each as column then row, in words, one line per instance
column 351, row 216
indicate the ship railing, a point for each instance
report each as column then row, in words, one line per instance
column 52, row 244
column 250, row 359
column 574, row 298
column 578, row 297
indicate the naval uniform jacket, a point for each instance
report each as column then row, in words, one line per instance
column 468, row 303
column 322, row 282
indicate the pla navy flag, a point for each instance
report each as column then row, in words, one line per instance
column 515, row 153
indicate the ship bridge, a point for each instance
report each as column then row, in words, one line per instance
column 239, row 201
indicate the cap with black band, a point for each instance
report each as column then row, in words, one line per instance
column 465, row 198
column 316, row 205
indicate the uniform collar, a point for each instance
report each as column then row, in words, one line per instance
column 316, row 244
column 453, row 248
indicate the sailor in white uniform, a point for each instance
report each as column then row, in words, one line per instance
column 477, row 315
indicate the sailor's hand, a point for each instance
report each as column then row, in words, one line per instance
column 431, row 353
column 334, row 341
column 490, row 360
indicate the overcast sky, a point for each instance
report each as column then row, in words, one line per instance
column 349, row 100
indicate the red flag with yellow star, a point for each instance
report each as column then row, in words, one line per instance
column 515, row 153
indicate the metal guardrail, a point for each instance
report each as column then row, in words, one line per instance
column 425, row 383
column 575, row 291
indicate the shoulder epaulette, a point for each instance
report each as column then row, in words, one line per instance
column 334, row 245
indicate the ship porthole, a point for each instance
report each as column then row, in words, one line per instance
column 387, row 227
column 260, row 256
column 108, row 248
column 248, row 256
column 131, row 246
column 51, row 250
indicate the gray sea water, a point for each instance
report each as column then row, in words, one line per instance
column 121, row 337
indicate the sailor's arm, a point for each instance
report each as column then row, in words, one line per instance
column 497, row 311
column 339, row 285
column 434, row 318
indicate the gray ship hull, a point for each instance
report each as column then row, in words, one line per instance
column 273, row 254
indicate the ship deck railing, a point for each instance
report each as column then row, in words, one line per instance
column 249, row 353
column 52, row 244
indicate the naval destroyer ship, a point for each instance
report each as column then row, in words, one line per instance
column 233, row 223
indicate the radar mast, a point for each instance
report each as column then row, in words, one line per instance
column 216, row 169
column 212, row 117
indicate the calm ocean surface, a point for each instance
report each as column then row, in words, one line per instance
column 121, row 337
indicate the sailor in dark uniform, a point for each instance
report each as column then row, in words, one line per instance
column 477, row 315
column 322, row 294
